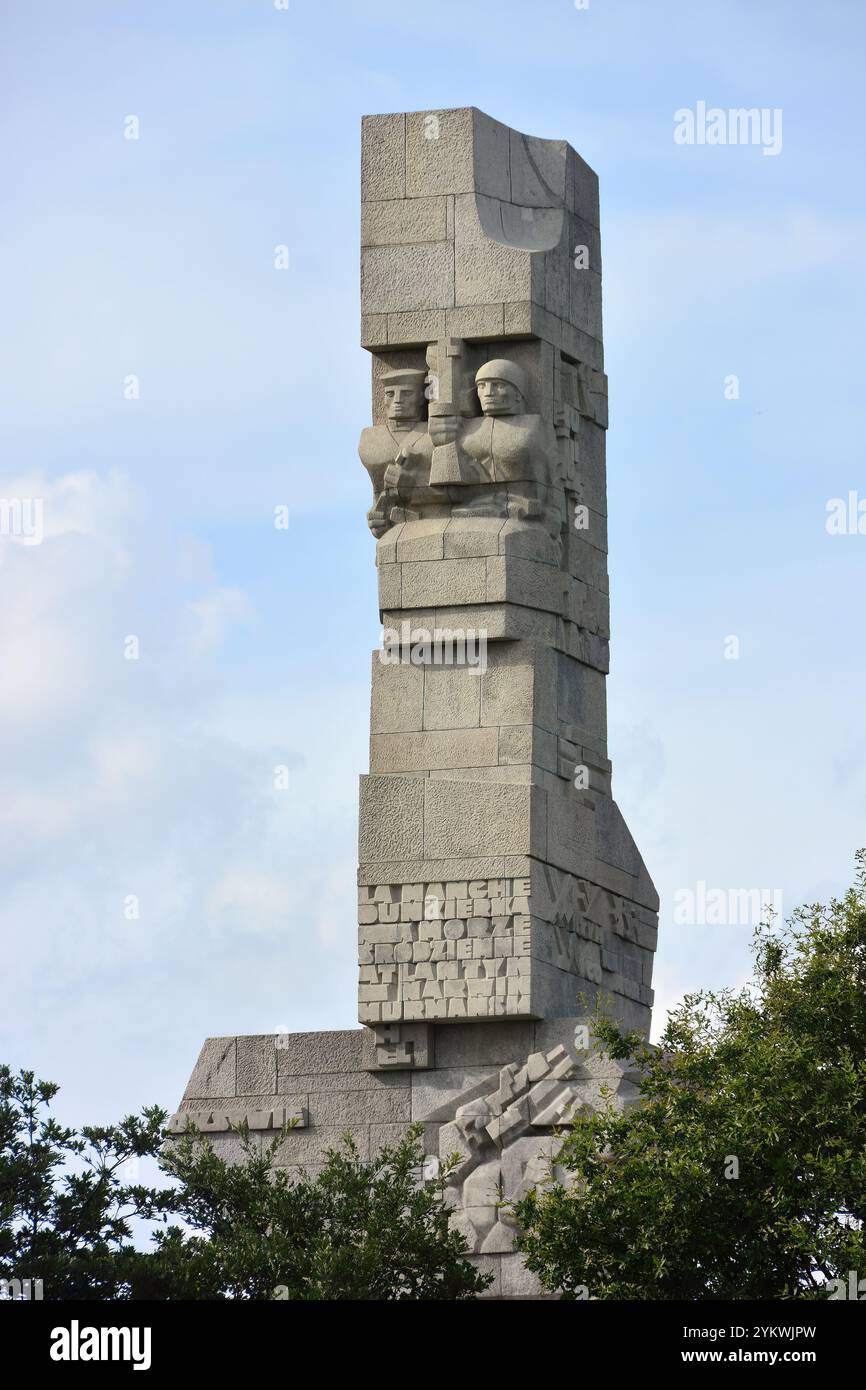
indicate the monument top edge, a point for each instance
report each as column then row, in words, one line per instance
column 538, row 141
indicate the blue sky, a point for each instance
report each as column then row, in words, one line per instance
column 154, row 258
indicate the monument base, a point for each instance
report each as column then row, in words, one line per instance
column 494, row 1094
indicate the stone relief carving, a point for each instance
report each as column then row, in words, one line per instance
column 506, row 1139
column 510, row 457
column 502, row 463
column 502, row 1151
column 398, row 452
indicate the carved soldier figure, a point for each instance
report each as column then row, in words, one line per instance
column 511, row 457
column 397, row 453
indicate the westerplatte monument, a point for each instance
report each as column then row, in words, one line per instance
column 500, row 892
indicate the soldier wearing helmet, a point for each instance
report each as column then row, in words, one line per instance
column 511, row 455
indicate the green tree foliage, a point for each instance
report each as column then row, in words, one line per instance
column 358, row 1230
column 66, row 1212
column 741, row 1173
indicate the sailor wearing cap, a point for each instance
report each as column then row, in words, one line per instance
column 398, row 451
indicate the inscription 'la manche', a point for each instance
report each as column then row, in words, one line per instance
column 412, row 902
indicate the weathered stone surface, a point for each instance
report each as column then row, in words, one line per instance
column 392, row 1134
column 429, row 584
column 414, row 327
column 507, row 687
column 512, row 773
column 422, row 540
column 374, row 330
column 440, row 870
column 475, row 321
column 464, row 748
column 419, row 276
column 310, row 1145
column 323, row 1081
column 402, row 220
column 397, row 705
column 256, row 1065
column 435, row 1093
column 354, row 1107
column 470, row 537
column 486, row 271
column 383, row 157
column 516, row 1281
column 215, row 1073
column 532, row 585
column 452, row 697
column 461, row 818
column 390, row 587
column 490, row 1265
column 391, row 817
column 301, row 1053
column 456, row 151
column 490, row 1046
column 231, row 1147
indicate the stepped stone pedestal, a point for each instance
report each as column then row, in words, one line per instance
column 500, row 893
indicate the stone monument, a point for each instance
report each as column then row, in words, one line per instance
column 499, row 890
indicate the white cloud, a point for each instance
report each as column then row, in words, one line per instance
column 151, row 782
column 211, row 618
